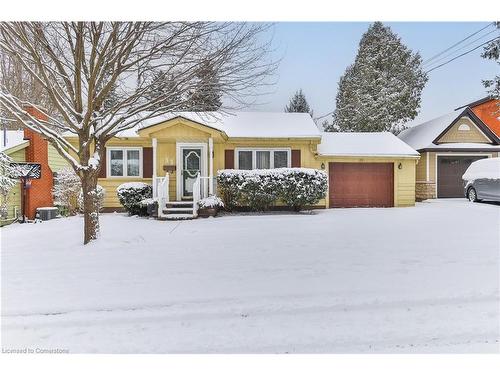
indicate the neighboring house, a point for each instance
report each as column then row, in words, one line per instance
column 448, row 145
column 27, row 146
column 488, row 110
column 375, row 169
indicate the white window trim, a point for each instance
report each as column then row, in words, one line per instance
column 124, row 149
column 254, row 157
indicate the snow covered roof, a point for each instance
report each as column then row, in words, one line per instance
column 364, row 144
column 423, row 135
column 14, row 138
column 248, row 124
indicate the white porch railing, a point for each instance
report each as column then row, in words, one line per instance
column 161, row 192
column 201, row 188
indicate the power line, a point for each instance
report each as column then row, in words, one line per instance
column 463, row 54
column 328, row 114
column 457, row 43
column 462, row 47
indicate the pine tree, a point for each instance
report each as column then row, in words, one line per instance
column 492, row 52
column 382, row 89
column 207, row 95
column 298, row 103
column 166, row 92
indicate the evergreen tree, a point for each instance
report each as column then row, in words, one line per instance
column 382, row 89
column 166, row 93
column 207, row 95
column 492, row 52
column 298, row 103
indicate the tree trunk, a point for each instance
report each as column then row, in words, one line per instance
column 90, row 207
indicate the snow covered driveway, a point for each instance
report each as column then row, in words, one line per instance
column 422, row 279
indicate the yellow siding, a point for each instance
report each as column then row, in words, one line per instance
column 56, row 161
column 473, row 135
column 404, row 178
column 421, row 169
column 14, row 197
column 185, row 131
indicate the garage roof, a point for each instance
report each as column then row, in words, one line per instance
column 364, row 144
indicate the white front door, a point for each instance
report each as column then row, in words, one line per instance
column 191, row 160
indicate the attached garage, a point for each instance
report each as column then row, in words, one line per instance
column 449, row 174
column 361, row 184
column 368, row 170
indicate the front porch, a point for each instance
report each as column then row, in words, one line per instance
column 183, row 166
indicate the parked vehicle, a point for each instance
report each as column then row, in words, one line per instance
column 482, row 180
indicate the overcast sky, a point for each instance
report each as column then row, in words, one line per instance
column 315, row 55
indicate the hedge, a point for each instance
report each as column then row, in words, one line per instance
column 260, row 189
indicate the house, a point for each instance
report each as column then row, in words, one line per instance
column 28, row 146
column 488, row 110
column 181, row 152
column 448, row 145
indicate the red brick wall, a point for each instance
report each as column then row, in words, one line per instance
column 40, row 193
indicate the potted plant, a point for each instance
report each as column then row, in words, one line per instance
column 209, row 206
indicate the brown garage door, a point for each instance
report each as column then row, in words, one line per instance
column 449, row 175
column 361, row 184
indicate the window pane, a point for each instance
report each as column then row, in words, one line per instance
column 280, row 159
column 245, row 159
column 263, row 159
column 116, row 162
column 132, row 162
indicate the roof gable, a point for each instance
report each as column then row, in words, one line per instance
column 427, row 134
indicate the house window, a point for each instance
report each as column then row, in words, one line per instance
column 263, row 158
column 125, row 162
column 464, row 127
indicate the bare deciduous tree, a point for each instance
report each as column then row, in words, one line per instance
column 80, row 64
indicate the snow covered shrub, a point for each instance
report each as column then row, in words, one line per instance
column 229, row 182
column 255, row 189
column 211, row 202
column 8, row 179
column 131, row 196
column 66, row 191
column 260, row 189
column 100, row 194
column 300, row 187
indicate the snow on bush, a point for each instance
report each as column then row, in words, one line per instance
column 485, row 168
column 301, row 188
column 259, row 189
column 211, row 202
column 8, row 179
column 99, row 193
column 66, row 191
column 131, row 196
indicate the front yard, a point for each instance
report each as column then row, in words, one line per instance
column 423, row 279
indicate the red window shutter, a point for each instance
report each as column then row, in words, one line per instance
column 102, row 172
column 295, row 158
column 147, row 162
column 229, row 159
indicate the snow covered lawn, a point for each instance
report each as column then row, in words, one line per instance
column 423, row 279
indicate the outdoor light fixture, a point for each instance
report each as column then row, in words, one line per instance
column 322, row 165
column 400, row 166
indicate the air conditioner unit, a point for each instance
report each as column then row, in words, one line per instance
column 47, row 213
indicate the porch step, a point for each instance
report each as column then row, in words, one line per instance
column 178, row 209
column 180, row 203
column 178, row 217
